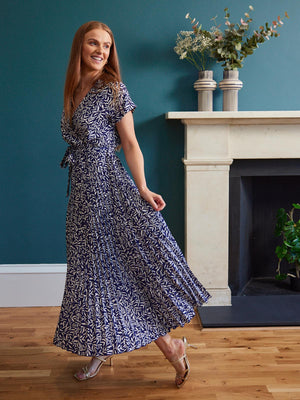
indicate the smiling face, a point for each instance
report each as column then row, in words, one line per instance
column 95, row 51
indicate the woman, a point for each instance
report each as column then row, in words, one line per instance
column 127, row 281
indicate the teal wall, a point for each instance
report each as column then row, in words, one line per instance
column 36, row 39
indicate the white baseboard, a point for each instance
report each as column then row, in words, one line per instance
column 31, row 285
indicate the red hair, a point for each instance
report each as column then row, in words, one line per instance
column 110, row 73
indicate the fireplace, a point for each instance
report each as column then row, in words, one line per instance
column 257, row 189
column 217, row 145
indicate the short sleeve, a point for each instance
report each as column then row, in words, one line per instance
column 122, row 104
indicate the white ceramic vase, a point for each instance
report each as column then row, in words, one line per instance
column 230, row 85
column 205, row 85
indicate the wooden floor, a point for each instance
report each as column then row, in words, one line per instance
column 229, row 364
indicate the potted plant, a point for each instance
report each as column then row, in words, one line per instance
column 195, row 46
column 288, row 228
column 231, row 46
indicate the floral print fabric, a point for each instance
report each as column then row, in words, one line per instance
column 127, row 281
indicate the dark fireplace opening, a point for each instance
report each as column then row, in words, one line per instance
column 257, row 189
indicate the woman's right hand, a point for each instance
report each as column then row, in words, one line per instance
column 154, row 199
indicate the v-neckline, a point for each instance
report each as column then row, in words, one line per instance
column 82, row 100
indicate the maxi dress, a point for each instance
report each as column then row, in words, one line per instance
column 127, row 281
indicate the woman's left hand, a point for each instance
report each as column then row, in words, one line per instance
column 154, row 199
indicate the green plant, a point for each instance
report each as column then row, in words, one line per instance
column 289, row 229
column 233, row 45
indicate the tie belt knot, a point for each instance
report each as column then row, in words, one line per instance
column 68, row 158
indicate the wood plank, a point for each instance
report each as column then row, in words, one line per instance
column 229, row 364
column 26, row 373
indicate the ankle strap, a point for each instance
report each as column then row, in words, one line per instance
column 102, row 358
column 179, row 359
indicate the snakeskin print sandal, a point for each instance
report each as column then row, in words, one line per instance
column 181, row 378
column 85, row 374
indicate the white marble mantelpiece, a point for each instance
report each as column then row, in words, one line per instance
column 212, row 141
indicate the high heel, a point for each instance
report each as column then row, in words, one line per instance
column 109, row 359
column 85, row 373
column 180, row 379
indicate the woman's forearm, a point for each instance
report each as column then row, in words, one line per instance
column 132, row 151
column 135, row 162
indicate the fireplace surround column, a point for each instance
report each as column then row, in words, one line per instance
column 212, row 141
column 207, row 165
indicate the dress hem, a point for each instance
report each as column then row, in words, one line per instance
column 147, row 342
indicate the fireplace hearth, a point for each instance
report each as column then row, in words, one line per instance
column 264, row 286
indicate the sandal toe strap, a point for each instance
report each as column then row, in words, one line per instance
column 86, row 372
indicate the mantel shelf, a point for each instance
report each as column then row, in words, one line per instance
column 236, row 117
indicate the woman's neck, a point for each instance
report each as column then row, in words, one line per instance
column 87, row 80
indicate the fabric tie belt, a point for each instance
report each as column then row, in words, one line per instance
column 68, row 161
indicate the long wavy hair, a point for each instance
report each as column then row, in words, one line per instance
column 110, row 73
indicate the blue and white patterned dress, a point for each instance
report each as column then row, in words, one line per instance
column 127, row 281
